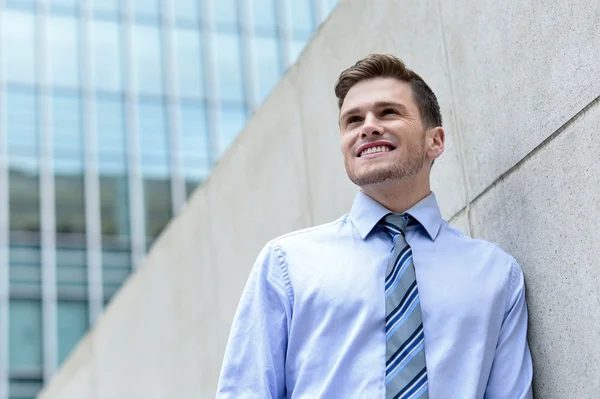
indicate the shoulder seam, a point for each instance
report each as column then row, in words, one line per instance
column 511, row 285
column 284, row 269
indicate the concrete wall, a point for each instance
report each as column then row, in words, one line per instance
column 519, row 86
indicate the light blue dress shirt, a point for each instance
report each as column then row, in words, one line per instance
column 311, row 320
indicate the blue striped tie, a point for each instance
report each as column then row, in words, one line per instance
column 405, row 371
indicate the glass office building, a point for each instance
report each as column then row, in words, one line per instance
column 111, row 112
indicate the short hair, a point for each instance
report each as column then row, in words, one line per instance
column 388, row 66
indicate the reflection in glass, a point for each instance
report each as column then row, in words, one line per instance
column 107, row 8
column 269, row 64
column 232, row 119
column 189, row 62
column 186, row 11
column 226, row 14
column 112, row 166
column 155, row 165
column 17, row 31
column 68, row 163
column 302, row 18
column 229, row 67
column 146, row 10
column 25, row 268
column 73, row 322
column 64, row 51
column 71, row 269
column 25, row 335
column 194, row 144
column 147, row 51
column 23, row 160
column 116, row 266
column 265, row 16
column 106, row 55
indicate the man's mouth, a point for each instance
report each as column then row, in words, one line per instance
column 375, row 150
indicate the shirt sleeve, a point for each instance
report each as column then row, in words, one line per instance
column 512, row 370
column 254, row 361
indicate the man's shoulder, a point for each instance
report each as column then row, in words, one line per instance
column 318, row 233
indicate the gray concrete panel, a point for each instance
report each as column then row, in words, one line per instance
column 520, row 70
column 546, row 214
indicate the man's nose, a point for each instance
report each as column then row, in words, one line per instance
column 371, row 127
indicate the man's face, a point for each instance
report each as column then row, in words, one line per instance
column 382, row 136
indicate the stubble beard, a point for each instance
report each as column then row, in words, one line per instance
column 412, row 165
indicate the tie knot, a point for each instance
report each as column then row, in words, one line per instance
column 395, row 224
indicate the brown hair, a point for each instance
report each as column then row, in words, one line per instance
column 388, row 66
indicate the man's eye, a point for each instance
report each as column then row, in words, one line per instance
column 353, row 119
column 389, row 111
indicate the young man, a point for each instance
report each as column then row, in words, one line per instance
column 389, row 300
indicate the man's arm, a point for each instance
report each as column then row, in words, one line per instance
column 512, row 370
column 254, row 362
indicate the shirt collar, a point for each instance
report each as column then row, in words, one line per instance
column 366, row 213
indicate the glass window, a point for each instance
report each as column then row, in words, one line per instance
column 330, row 5
column 146, row 10
column 63, row 6
column 229, row 67
column 194, row 143
column 296, row 48
column 265, row 16
column 73, row 322
column 71, row 271
column 147, row 52
column 189, row 62
column 68, row 163
column 25, row 268
column 155, row 165
column 106, row 55
column 25, row 388
column 269, row 64
column 20, row 4
column 116, row 266
column 17, row 31
column 107, row 8
column 186, row 11
column 302, row 17
column 226, row 14
column 25, row 335
column 64, row 51
column 23, row 153
column 232, row 120
column 112, row 166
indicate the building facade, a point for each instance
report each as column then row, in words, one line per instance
column 111, row 113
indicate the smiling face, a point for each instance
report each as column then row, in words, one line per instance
column 382, row 136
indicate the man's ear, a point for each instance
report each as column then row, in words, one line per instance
column 436, row 139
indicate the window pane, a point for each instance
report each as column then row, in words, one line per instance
column 186, row 10
column 146, row 10
column 194, row 142
column 148, row 59
column 64, row 51
column 189, row 62
column 106, row 55
column 68, row 163
column 302, row 16
column 24, row 388
column 232, row 120
column 25, row 335
column 229, row 67
column 155, row 166
column 226, row 14
column 71, row 271
column 69, row 6
column 265, row 16
column 112, row 166
column 20, row 4
column 107, row 7
column 25, row 268
column 269, row 64
column 116, row 265
column 17, row 31
column 73, row 322
column 23, row 152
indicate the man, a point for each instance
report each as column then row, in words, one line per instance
column 389, row 300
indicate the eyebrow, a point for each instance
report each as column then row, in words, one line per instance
column 378, row 104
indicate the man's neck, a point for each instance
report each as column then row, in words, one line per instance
column 398, row 196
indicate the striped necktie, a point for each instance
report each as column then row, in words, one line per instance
column 405, row 371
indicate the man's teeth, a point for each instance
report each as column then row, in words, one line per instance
column 373, row 150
